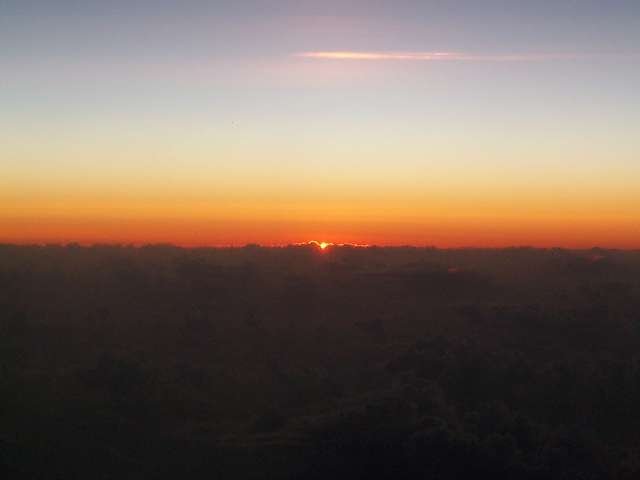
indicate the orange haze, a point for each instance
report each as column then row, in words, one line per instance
column 580, row 233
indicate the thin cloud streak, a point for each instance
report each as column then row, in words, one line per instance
column 437, row 56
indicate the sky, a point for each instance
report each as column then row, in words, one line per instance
column 446, row 123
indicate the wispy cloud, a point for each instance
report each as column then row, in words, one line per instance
column 437, row 56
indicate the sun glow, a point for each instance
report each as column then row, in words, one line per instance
column 316, row 243
column 325, row 245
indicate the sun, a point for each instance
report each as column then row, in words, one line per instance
column 321, row 245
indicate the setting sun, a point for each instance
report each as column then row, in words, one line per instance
column 323, row 245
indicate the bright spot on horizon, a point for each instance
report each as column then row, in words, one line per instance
column 325, row 245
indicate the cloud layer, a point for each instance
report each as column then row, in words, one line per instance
column 435, row 56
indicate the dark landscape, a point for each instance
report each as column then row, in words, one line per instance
column 299, row 363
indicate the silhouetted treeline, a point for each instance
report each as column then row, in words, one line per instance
column 294, row 363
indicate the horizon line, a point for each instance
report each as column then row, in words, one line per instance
column 311, row 243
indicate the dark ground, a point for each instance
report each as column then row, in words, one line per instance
column 270, row 363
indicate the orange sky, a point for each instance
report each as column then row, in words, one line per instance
column 444, row 207
column 424, row 222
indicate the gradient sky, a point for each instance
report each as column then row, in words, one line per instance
column 459, row 123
